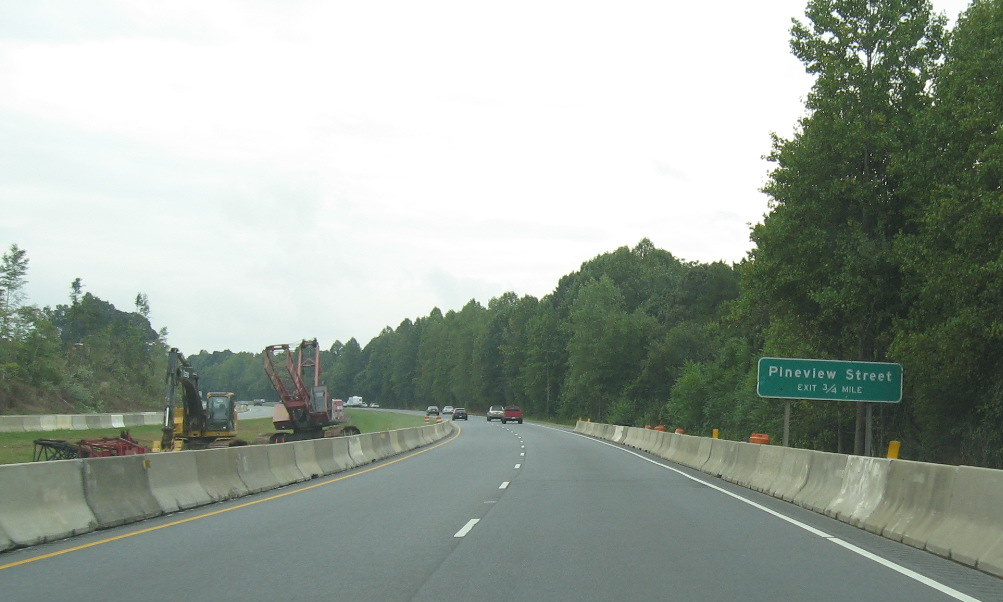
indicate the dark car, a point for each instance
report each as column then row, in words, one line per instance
column 460, row 414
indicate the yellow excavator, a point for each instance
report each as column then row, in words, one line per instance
column 192, row 422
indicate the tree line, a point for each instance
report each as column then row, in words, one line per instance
column 84, row 356
column 882, row 243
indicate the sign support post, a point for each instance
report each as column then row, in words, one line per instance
column 787, row 422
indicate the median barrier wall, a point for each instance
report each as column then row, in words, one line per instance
column 650, row 440
column 322, row 454
column 666, row 443
column 282, row 459
column 217, row 473
column 972, row 529
column 825, row 479
column 397, row 441
column 117, row 489
column 356, row 451
column 619, row 434
column 11, row 424
column 719, row 450
column 47, row 501
column 174, row 481
column 253, row 465
column 744, row 465
column 384, row 446
column 424, row 437
column 42, row 502
column 368, row 447
column 630, row 436
column 686, row 450
column 767, row 469
column 411, row 438
column 341, row 457
column 54, row 422
column 860, row 491
column 793, row 473
column 915, row 500
column 305, row 453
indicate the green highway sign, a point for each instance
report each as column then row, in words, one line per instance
column 834, row 380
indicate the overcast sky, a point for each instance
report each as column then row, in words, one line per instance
column 272, row 171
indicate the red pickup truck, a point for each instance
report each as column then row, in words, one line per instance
column 512, row 414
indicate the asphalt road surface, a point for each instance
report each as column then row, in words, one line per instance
column 498, row 512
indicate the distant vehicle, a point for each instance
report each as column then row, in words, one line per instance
column 512, row 414
column 460, row 414
column 374, row 405
column 354, row 402
column 432, row 411
column 447, row 410
column 496, row 413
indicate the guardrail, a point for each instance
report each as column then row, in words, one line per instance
column 951, row 511
column 46, row 501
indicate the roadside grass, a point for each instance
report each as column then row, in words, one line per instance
column 370, row 421
column 19, row 447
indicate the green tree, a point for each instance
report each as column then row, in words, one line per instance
column 825, row 263
column 13, row 268
column 954, row 258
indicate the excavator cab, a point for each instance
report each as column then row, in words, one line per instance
column 220, row 413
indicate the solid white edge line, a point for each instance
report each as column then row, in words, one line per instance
column 504, row 485
column 467, row 527
column 907, row 572
column 950, row 591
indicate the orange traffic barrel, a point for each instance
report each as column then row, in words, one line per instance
column 760, row 438
column 660, row 427
column 680, row 431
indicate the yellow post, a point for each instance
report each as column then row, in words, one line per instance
column 893, row 449
column 716, row 434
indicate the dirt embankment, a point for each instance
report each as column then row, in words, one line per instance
column 20, row 398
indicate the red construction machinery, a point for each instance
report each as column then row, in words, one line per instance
column 305, row 409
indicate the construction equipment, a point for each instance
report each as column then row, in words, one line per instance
column 196, row 423
column 307, row 410
column 57, row 449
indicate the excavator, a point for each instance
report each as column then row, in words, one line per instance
column 195, row 423
column 306, row 410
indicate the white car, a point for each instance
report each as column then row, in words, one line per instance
column 447, row 410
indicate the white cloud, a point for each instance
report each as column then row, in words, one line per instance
column 268, row 171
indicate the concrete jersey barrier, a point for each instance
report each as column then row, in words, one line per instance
column 22, row 423
column 972, row 528
column 118, row 491
column 42, row 502
column 174, row 481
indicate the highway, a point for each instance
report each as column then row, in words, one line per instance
column 498, row 512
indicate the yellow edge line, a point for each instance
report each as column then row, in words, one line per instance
column 230, row 509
